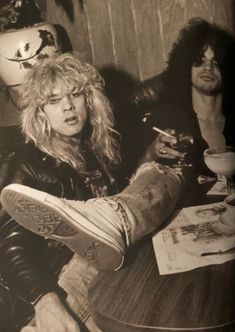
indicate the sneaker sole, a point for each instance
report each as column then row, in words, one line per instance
column 44, row 215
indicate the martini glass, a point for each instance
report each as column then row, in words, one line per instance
column 221, row 161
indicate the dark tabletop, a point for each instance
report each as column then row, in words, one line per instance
column 136, row 298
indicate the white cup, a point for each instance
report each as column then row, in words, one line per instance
column 228, row 217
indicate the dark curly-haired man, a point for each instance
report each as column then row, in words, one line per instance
column 196, row 93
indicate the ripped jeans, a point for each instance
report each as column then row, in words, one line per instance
column 150, row 198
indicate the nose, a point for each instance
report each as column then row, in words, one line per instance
column 68, row 103
column 208, row 65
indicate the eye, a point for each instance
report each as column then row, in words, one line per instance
column 198, row 61
column 76, row 93
column 54, row 100
column 215, row 63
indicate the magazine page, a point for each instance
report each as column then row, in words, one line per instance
column 195, row 237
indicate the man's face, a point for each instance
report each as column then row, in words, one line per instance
column 206, row 78
column 67, row 113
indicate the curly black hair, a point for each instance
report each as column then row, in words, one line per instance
column 188, row 50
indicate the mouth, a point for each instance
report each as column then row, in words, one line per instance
column 72, row 120
column 207, row 77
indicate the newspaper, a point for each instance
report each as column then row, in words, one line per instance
column 195, row 237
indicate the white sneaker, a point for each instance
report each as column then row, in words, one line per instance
column 91, row 229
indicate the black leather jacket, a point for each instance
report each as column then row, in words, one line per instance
column 30, row 264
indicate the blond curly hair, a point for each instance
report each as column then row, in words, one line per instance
column 66, row 71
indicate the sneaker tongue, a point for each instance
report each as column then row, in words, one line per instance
column 103, row 213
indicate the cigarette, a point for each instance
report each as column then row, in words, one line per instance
column 162, row 132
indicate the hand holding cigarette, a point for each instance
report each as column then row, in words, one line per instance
column 164, row 142
column 163, row 132
column 161, row 146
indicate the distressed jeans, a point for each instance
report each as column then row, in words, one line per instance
column 142, row 207
column 150, row 198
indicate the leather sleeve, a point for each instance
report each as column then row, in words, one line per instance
column 24, row 265
column 144, row 95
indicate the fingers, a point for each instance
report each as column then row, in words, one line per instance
column 166, row 139
column 168, row 153
column 165, row 145
column 51, row 315
column 162, row 151
column 162, row 146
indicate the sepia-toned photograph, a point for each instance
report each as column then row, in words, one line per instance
column 117, row 165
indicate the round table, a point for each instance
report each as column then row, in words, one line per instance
column 136, row 298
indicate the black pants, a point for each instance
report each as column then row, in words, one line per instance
column 14, row 312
